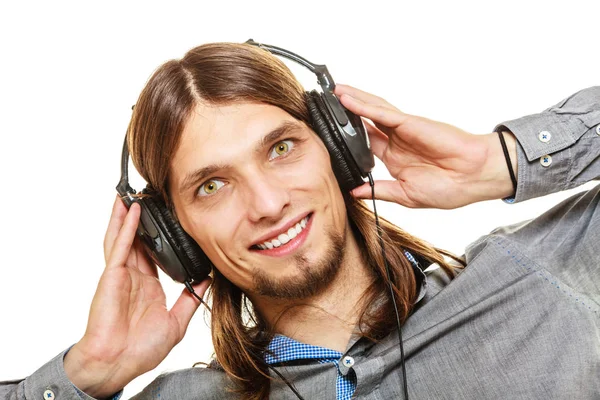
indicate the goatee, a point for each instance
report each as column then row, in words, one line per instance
column 313, row 278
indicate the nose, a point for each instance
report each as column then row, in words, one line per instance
column 266, row 195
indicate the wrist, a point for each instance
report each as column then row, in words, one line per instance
column 92, row 375
column 494, row 180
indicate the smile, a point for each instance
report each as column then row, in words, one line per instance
column 284, row 237
column 286, row 242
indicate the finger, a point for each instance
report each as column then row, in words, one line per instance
column 122, row 245
column 119, row 211
column 361, row 95
column 390, row 118
column 377, row 139
column 186, row 305
column 384, row 190
column 139, row 258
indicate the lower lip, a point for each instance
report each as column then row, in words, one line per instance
column 289, row 247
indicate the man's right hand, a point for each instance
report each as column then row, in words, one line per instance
column 129, row 331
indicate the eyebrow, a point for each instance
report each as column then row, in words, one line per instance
column 285, row 128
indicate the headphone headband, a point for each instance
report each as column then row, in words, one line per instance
column 324, row 77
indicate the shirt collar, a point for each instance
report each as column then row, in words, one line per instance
column 420, row 276
column 283, row 349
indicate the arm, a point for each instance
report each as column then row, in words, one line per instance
column 130, row 330
column 438, row 165
column 49, row 382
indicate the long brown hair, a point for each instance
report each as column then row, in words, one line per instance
column 225, row 73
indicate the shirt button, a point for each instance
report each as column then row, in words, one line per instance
column 544, row 136
column 348, row 361
column 546, row 160
column 598, row 129
column 49, row 395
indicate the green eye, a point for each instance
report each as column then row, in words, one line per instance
column 281, row 148
column 210, row 187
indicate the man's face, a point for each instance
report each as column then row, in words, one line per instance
column 254, row 187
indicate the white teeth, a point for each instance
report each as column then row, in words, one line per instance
column 284, row 237
column 292, row 233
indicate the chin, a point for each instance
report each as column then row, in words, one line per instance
column 309, row 277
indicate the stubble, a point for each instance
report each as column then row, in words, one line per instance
column 312, row 277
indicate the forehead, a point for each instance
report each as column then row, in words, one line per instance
column 235, row 122
column 223, row 134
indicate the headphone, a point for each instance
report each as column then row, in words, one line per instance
column 342, row 132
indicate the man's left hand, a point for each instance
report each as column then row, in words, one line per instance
column 435, row 165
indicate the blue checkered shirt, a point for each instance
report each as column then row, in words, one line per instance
column 283, row 349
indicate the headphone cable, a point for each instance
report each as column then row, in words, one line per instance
column 392, row 294
column 190, row 288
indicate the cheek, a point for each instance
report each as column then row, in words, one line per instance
column 316, row 166
column 216, row 235
column 213, row 231
column 335, row 198
column 319, row 172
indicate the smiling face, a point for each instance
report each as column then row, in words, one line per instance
column 254, row 187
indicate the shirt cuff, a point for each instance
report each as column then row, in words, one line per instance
column 50, row 382
column 547, row 144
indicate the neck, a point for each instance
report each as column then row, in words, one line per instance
column 329, row 318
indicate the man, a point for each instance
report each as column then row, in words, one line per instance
column 224, row 137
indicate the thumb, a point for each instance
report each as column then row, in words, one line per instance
column 362, row 192
column 388, row 190
column 186, row 305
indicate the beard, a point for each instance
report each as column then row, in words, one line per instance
column 313, row 277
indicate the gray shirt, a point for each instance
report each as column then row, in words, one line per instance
column 522, row 321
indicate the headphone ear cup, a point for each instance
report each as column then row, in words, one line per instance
column 342, row 162
column 195, row 263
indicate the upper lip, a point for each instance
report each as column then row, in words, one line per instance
column 278, row 231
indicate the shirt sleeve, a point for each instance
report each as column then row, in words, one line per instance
column 559, row 148
column 50, row 382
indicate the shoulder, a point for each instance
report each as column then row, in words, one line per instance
column 205, row 383
column 569, row 230
column 563, row 242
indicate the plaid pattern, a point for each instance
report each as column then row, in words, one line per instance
column 411, row 259
column 283, row 349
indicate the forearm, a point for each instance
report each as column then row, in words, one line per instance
column 92, row 375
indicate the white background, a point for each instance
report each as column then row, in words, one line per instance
column 69, row 73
